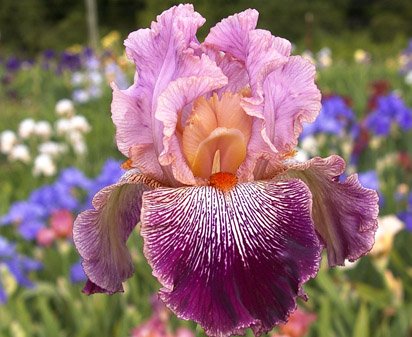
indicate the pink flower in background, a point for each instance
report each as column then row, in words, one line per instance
column 232, row 225
column 156, row 326
column 45, row 237
column 298, row 324
column 61, row 222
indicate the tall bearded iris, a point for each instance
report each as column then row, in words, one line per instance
column 232, row 226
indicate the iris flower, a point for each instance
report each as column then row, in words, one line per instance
column 232, row 226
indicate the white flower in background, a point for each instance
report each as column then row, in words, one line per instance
column 79, row 123
column 75, row 138
column 80, row 148
column 388, row 226
column 324, row 57
column 361, row 56
column 92, row 63
column 385, row 162
column 95, row 91
column 408, row 78
column 21, row 153
column 43, row 129
column 81, row 96
column 95, row 77
column 7, row 140
column 115, row 74
column 77, row 79
column 44, row 165
column 310, row 145
column 26, row 128
column 52, row 149
column 63, row 126
column 64, row 108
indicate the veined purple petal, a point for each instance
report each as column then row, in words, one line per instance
column 345, row 213
column 231, row 260
column 100, row 234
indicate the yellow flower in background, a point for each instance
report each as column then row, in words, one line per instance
column 388, row 227
column 110, row 39
column 391, row 63
column 361, row 56
column 395, row 286
column 75, row 49
column 8, row 281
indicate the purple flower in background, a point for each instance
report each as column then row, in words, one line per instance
column 13, row 64
column 390, row 109
column 18, row 266
column 70, row 61
column 49, row 54
column 210, row 130
column 334, row 118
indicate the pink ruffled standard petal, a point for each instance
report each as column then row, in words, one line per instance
column 345, row 213
column 291, row 98
column 162, row 54
column 231, row 35
column 200, row 77
column 100, row 234
column 231, row 260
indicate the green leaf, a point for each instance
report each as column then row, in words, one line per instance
column 362, row 322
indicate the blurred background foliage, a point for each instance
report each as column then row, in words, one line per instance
column 30, row 26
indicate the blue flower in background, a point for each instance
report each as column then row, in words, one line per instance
column 406, row 56
column 74, row 178
column 334, row 117
column 390, row 109
column 27, row 216
column 72, row 191
column 77, row 274
column 406, row 216
column 111, row 172
column 18, row 266
column 369, row 179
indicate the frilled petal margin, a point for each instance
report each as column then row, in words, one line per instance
column 100, row 234
column 231, row 260
column 345, row 213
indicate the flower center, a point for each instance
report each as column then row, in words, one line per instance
column 216, row 135
column 223, row 181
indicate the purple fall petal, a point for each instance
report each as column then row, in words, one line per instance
column 345, row 213
column 231, row 260
column 100, row 234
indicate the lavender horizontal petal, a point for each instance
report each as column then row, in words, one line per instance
column 100, row 234
column 345, row 213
